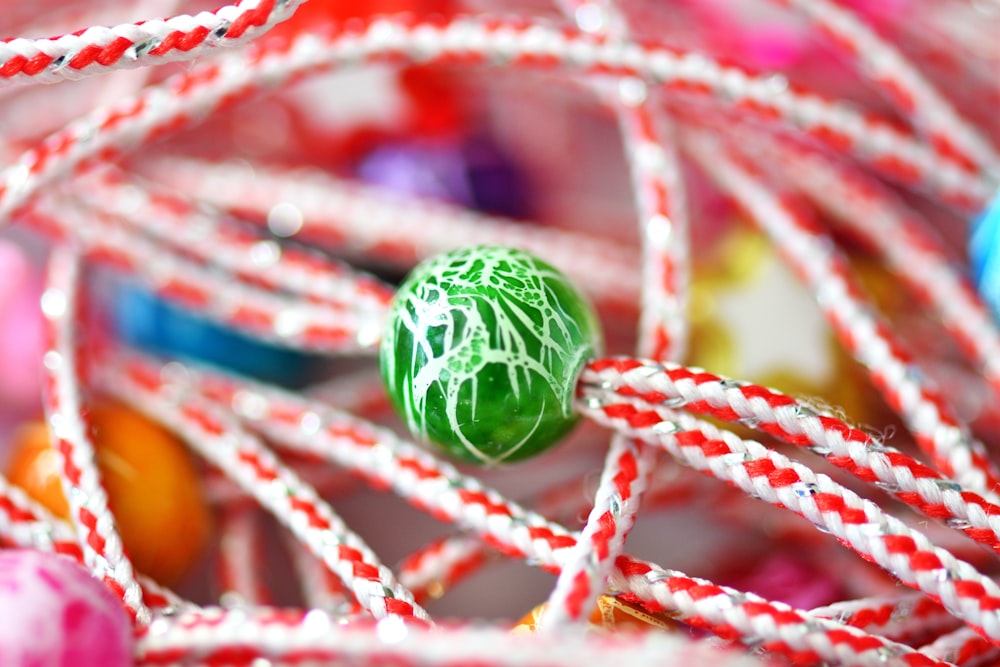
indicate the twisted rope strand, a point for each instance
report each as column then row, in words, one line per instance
column 322, row 589
column 901, row 82
column 652, row 160
column 239, row 561
column 202, row 235
column 81, row 480
column 281, row 319
column 371, row 223
column 963, row 648
column 906, row 553
column 27, row 525
column 860, row 453
column 291, row 637
column 602, row 540
column 191, row 96
column 100, row 49
column 899, row 236
column 438, row 488
column 190, row 253
column 824, row 270
column 215, row 435
column 904, row 617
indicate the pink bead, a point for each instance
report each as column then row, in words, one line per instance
column 791, row 579
column 21, row 338
column 773, row 46
column 55, row 614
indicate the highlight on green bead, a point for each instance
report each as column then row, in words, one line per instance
column 482, row 352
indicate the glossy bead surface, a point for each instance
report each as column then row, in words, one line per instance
column 55, row 614
column 153, row 487
column 482, row 352
column 984, row 255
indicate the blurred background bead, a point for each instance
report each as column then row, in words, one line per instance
column 153, row 324
column 984, row 255
column 790, row 578
column 610, row 614
column 152, row 484
column 751, row 319
column 425, row 169
column 55, row 614
column 471, row 171
column 21, row 341
column 34, row 466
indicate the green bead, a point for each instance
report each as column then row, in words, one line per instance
column 483, row 350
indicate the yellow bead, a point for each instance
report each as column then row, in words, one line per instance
column 611, row 614
column 153, row 487
column 752, row 320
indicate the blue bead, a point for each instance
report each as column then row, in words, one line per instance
column 984, row 255
column 147, row 322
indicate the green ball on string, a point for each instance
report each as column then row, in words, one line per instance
column 482, row 353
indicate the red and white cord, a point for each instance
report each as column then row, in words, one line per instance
column 282, row 319
column 100, row 49
column 662, row 333
column 652, row 155
column 963, row 648
column 904, row 617
column 895, row 76
column 823, row 269
column 216, row 435
column 657, row 191
column 322, row 589
column 901, row 238
column 81, row 480
column 239, row 564
column 857, row 522
column 440, row 565
column 293, row 637
column 856, row 451
column 443, row 563
column 438, row 488
column 27, row 525
column 204, row 235
column 602, row 540
column 191, row 96
column 371, row 223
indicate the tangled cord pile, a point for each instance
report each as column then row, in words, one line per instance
column 782, row 152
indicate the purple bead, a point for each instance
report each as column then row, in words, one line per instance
column 473, row 172
column 421, row 169
column 55, row 614
column 498, row 184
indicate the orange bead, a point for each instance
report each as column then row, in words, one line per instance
column 34, row 466
column 152, row 485
column 610, row 614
